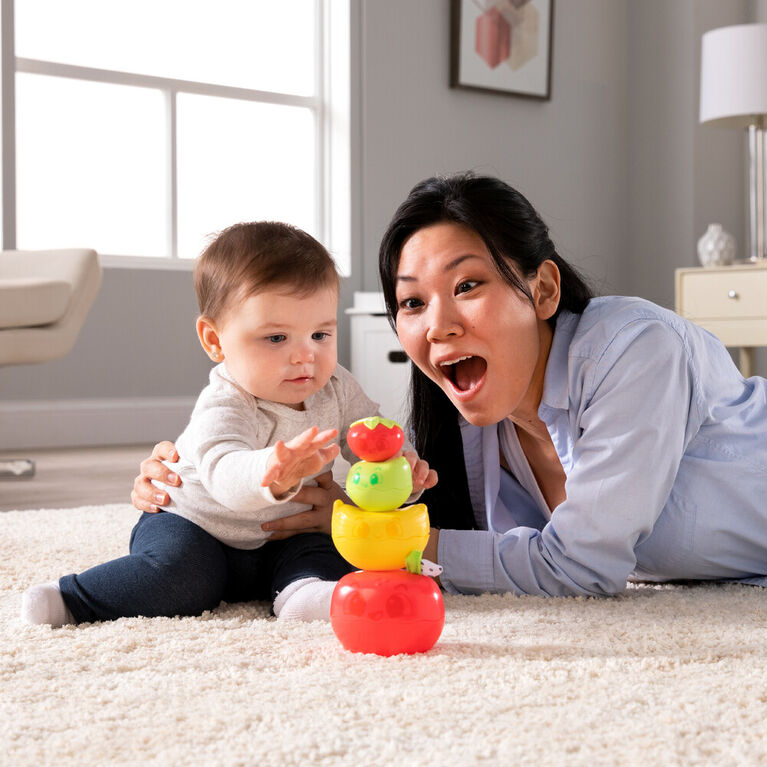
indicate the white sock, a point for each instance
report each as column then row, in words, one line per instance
column 307, row 599
column 44, row 604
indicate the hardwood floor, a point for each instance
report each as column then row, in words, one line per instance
column 73, row 477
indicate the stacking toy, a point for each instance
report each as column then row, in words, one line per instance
column 381, row 485
column 383, row 609
column 387, row 613
column 379, row 540
column 375, row 439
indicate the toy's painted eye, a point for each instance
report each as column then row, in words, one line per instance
column 374, row 479
column 355, row 605
column 361, row 530
column 398, row 606
column 356, row 478
column 394, row 529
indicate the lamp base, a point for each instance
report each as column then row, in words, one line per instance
column 757, row 245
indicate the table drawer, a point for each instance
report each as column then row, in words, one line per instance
column 732, row 293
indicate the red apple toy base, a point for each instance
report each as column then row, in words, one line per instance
column 387, row 612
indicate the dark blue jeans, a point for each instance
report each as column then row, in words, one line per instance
column 176, row 568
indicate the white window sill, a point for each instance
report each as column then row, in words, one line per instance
column 147, row 262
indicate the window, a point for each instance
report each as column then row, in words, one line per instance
column 140, row 128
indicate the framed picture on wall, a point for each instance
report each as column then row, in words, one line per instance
column 502, row 46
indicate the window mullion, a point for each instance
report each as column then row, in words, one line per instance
column 172, row 99
column 322, row 189
column 74, row 72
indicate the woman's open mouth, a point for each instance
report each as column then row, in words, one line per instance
column 465, row 374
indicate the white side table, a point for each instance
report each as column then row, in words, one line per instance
column 378, row 360
column 731, row 302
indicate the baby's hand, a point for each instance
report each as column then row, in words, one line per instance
column 301, row 457
column 423, row 477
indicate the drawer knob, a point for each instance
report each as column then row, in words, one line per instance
column 398, row 356
column 733, row 294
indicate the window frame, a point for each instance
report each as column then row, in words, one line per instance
column 330, row 106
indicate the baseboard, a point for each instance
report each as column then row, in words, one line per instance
column 81, row 423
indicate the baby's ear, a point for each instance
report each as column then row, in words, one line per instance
column 208, row 335
column 545, row 287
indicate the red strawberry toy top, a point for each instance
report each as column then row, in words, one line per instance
column 375, row 438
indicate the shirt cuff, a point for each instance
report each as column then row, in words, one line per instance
column 288, row 495
column 468, row 558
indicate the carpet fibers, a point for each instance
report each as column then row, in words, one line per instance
column 667, row 675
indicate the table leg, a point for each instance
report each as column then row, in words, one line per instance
column 747, row 361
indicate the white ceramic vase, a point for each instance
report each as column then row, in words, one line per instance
column 716, row 247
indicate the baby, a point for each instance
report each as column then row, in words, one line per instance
column 264, row 426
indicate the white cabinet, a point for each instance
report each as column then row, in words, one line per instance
column 731, row 302
column 378, row 361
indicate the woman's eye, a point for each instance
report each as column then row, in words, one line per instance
column 277, row 338
column 466, row 286
column 410, row 303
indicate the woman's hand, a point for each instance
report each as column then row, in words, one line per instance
column 145, row 496
column 424, row 478
column 314, row 520
column 432, row 547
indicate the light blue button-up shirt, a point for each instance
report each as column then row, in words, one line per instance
column 664, row 445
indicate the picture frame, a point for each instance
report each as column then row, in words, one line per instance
column 502, row 46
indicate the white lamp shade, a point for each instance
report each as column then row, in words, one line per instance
column 733, row 76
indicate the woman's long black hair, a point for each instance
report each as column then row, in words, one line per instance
column 518, row 241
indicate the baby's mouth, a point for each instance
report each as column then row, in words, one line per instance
column 465, row 372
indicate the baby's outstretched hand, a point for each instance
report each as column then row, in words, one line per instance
column 423, row 477
column 301, row 457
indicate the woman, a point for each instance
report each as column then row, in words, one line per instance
column 580, row 442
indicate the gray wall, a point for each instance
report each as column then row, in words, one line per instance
column 616, row 162
column 682, row 175
column 568, row 155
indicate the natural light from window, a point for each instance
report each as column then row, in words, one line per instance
column 91, row 164
column 143, row 127
column 258, row 44
column 240, row 161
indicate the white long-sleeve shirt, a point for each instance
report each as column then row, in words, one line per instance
column 224, row 450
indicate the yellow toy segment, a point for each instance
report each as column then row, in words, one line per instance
column 379, row 540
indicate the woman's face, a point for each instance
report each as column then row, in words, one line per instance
column 479, row 339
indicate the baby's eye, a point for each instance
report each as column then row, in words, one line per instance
column 466, row 286
column 320, row 335
column 277, row 338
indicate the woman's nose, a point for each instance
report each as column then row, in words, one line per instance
column 444, row 323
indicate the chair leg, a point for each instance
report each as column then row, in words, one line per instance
column 16, row 468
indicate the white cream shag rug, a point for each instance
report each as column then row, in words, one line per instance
column 669, row 675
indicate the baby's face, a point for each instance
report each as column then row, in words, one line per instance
column 282, row 347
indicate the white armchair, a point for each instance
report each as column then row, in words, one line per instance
column 45, row 296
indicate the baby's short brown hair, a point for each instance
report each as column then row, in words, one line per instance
column 248, row 258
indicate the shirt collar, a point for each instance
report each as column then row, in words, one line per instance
column 555, row 382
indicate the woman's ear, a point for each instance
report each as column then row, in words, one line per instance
column 208, row 335
column 546, row 290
